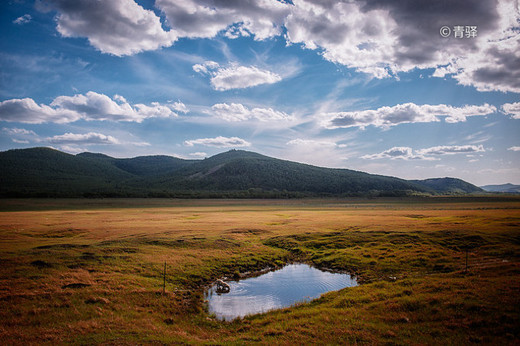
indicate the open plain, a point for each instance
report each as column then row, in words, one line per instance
column 432, row 270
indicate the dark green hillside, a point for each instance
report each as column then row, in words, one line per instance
column 448, row 185
column 144, row 165
column 49, row 172
column 241, row 170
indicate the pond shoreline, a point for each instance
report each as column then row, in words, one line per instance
column 294, row 283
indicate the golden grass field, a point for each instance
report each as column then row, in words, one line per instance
column 90, row 271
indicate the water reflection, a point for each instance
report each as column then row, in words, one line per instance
column 274, row 290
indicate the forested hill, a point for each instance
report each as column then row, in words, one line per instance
column 45, row 172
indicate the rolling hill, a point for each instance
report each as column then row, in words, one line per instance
column 45, row 172
column 448, row 185
column 503, row 188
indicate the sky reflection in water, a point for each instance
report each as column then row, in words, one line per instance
column 274, row 290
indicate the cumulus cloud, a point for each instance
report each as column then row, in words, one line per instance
column 219, row 142
column 207, row 18
column 403, row 153
column 512, row 109
column 118, row 27
column 82, row 139
column 407, row 153
column 404, row 113
column 235, row 76
column 235, row 112
column 90, row 106
column 514, row 148
column 378, row 37
column 26, row 18
column 383, row 38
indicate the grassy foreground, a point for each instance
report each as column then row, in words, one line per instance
column 83, row 272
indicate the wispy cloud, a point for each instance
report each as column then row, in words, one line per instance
column 407, row 153
column 82, row 139
column 219, row 142
column 198, row 154
column 21, row 136
column 26, row 18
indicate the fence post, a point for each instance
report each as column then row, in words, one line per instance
column 164, row 280
column 466, row 259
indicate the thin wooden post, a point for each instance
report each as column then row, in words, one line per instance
column 164, row 280
column 466, row 260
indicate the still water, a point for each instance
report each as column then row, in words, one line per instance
column 274, row 290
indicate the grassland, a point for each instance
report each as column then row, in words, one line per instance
column 90, row 271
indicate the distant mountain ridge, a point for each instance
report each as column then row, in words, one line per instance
column 45, row 172
column 504, row 188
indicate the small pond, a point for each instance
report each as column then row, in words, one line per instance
column 274, row 290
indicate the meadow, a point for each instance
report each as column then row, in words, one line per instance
column 432, row 270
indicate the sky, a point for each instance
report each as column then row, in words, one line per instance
column 415, row 88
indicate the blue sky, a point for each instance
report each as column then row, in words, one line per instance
column 366, row 85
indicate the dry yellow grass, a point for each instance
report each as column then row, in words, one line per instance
column 118, row 248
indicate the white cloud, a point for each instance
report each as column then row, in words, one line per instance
column 315, row 151
column 178, row 107
column 235, row 76
column 403, row 153
column 514, row 148
column 198, row 154
column 91, row 106
column 512, row 109
column 206, row 67
column 21, row 136
column 346, row 34
column 385, row 38
column 312, row 143
column 20, row 141
column 118, row 27
column 219, row 142
column 239, row 77
column 84, row 139
column 407, row 153
column 403, row 113
column 381, row 38
column 71, row 149
column 26, row 18
column 238, row 112
column 451, row 149
column 206, row 18
column 17, row 131
column 492, row 63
